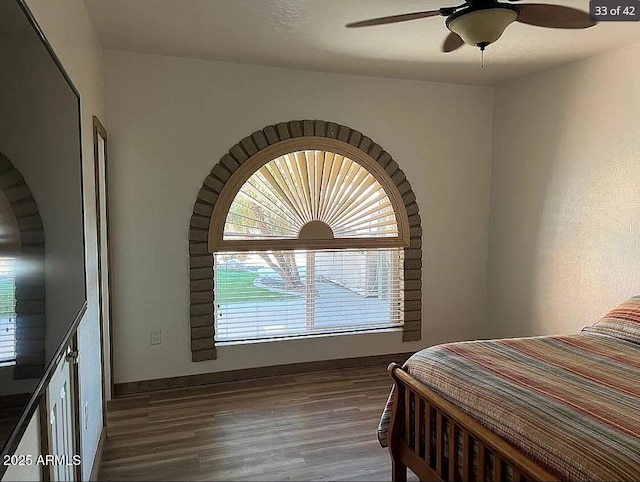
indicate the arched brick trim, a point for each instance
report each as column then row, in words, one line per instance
column 30, row 290
column 201, row 260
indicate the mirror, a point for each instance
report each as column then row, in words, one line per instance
column 42, row 266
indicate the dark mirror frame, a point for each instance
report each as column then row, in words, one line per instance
column 19, row 429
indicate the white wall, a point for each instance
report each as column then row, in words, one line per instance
column 565, row 198
column 171, row 119
column 67, row 26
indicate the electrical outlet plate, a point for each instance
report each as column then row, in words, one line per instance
column 156, row 337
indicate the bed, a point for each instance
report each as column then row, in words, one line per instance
column 563, row 407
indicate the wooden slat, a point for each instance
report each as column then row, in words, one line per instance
column 482, row 463
column 427, row 428
column 398, row 471
column 453, row 450
column 417, row 424
column 439, row 442
column 418, row 466
column 517, row 477
column 498, row 473
column 407, row 417
column 467, row 455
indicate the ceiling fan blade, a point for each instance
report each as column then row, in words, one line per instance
column 394, row 19
column 554, row 16
column 452, row 42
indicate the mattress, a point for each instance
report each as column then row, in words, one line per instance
column 571, row 403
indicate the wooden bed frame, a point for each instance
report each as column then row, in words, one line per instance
column 418, row 411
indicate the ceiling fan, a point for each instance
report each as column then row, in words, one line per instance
column 481, row 22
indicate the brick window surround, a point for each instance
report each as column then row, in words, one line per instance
column 201, row 257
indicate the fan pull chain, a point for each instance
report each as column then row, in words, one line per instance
column 482, row 46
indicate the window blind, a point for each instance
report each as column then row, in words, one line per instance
column 278, row 294
column 7, row 310
column 294, row 189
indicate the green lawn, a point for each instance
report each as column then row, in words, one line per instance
column 237, row 287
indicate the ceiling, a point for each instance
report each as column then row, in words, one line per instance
column 310, row 34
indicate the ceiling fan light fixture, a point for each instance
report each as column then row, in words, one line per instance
column 480, row 28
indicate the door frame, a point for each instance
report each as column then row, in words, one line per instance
column 106, row 339
column 72, row 357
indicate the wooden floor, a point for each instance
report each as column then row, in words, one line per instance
column 316, row 426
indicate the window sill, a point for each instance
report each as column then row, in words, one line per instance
column 391, row 329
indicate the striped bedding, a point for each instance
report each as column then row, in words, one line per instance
column 571, row 403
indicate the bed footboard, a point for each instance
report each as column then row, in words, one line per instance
column 438, row 441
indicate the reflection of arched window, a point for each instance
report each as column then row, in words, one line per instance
column 9, row 252
column 22, row 288
column 292, row 213
column 310, row 243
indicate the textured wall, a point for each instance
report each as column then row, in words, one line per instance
column 171, row 120
column 565, row 196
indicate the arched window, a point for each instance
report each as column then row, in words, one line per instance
column 303, row 228
column 310, row 243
